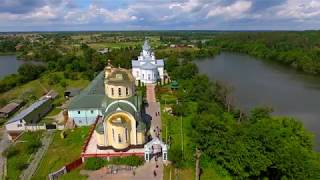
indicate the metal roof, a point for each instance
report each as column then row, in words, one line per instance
column 149, row 66
column 9, row 107
column 92, row 96
column 137, row 63
column 28, row 110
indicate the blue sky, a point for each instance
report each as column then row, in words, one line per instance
column 65, row 15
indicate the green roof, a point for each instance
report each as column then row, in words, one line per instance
column 92, row 96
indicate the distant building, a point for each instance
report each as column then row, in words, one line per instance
column 10, row 108
column 103, row 51
column 148, row 69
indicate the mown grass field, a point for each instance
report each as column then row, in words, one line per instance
column 21, row 154
column 61, row 152
column 39, row 86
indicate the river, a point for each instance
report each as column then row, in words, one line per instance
column 260, row 83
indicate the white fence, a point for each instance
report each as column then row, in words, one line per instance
column 35, row 127
column 55, row 175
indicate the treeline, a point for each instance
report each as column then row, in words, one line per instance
column 26, row 73
column 252, row 146
column 86, row 60
column 300, row 50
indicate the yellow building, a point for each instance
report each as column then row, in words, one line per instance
column 122, row 127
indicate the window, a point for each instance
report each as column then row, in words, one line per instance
column 142, row 76
column 137, row 73
column 126, row 134
column 119, row 91
column 113, row 134
column 148, row 76
column 91, row 111
column 112, row 92
column 80, row 122
column 19, row 125
column 127, row 91
column 119, row 138
column 78, row 112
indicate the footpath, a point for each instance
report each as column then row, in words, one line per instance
column 46, row 141
column 4, row 144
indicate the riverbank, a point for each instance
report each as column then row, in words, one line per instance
column 255, row 82
column 7, row 53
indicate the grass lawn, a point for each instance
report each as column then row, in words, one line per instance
column 39, row 86
column 62, row 152
column 75, row 174
column 21, row 154
column 185, row 174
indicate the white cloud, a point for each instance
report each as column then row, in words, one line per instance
column 299, row 9
column 187, row 6
column 235, row 10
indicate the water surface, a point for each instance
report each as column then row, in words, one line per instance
column 260, row 83
column 10, row 65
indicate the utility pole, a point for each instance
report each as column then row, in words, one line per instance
column 197, row 156
column 181, row 136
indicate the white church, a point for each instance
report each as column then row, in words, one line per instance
column 147, row 69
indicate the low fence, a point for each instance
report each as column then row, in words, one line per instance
column 38, row 127
column 60, row 172
column 84, row 147
column 74, row 165
column 35, row 127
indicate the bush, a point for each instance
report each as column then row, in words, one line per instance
column 10, row 152
column 94, row 163
column 34, row 146
column 22, row 166
column 130, row 161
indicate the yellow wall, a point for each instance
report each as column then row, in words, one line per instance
column 128, row 121
column 108, row 91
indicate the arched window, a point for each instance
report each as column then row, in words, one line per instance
column 127, row 91
column 119, row 91
column 113, row 135
column 127, row 135
column 119, row 138
column 112, row 91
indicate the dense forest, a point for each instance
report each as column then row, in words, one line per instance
column 300, row 50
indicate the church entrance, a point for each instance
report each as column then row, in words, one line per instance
column 155, row 148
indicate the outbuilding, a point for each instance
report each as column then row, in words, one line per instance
column 10, row 108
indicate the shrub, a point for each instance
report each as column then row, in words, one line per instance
column 34, row 146
column 10, row 152
column 94, row 163
column 130, row 161
column 22, row 166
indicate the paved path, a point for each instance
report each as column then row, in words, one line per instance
column 144, row 172
column 153, row 108
column 46, row 141
column 4, row 144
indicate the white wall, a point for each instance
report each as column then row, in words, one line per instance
column 16, row 126
column 85, row 117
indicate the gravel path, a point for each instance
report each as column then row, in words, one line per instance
column 46, row 141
